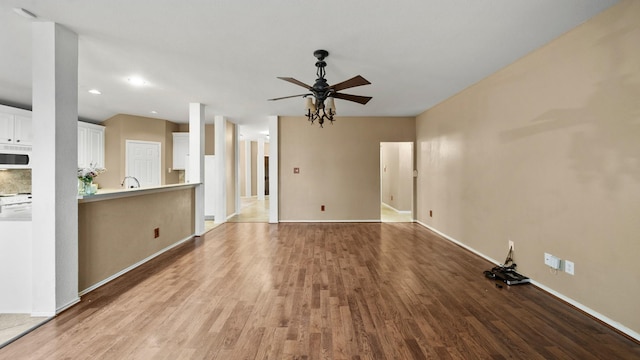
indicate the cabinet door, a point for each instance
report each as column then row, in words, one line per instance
column 82, row 147
column 180, row 150
column 22, row 130
column 90, row 145
column 6, row 129
column 96, row 147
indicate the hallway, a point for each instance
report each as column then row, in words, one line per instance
column 252, row 210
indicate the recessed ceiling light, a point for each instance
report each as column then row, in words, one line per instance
column 154, row 112
column 136, row 81
column 25, row 13
column 95, row 92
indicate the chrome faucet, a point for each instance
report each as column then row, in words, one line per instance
column 134, row 179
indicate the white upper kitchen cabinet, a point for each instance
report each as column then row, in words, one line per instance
column 90, row 144
column 180, row 149
column 15, row 129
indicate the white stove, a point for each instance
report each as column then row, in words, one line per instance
column 15, row 207
column 15, row 199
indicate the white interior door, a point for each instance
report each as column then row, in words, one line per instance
column 143, row 163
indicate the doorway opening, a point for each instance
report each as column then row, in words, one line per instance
column 254, row 182
column 396, row 181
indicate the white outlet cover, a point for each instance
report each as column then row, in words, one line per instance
column 552, row 261
column 569, row 267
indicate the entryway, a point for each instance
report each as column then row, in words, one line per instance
column 396, row 181
column 253, row 166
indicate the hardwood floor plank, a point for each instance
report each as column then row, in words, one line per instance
column 319, row 291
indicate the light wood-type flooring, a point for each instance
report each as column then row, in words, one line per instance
column 319, row 291
column 252, row 210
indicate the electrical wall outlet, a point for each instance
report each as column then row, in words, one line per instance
column 551, row 261
column 569, row 267
column 511, row 245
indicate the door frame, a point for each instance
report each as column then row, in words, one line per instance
column 413, row 176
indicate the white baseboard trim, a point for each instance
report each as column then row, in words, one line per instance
column 614, row 324
column 232, row 215
column 460, row 243
column 68, row 305
column 126, row 270
column 589, row 311
column 331, row 221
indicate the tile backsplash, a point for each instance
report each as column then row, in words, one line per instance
column 15, row 181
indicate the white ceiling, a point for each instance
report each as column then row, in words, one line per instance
column 227, row 54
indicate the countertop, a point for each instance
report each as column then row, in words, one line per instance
column 107, row 194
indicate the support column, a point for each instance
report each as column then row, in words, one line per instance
column 260, row 169
column 221, row 169
column 55, row 165
column 236, row 167
column 274, row 186
column 196, row 161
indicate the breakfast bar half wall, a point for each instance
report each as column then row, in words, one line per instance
column 120, row 230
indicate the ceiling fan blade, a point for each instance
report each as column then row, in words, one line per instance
column 353, row 82
column 297, row 82
column 355, row 98
column 287, row 97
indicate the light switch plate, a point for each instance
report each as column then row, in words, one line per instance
column 569, row 267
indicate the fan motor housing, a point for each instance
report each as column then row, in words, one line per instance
column 321, row 54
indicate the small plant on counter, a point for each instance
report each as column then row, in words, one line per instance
column 85, row 179
column 86, row 175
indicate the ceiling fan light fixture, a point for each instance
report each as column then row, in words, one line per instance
column 322, row 92
column 331, row 106
column 309, row 105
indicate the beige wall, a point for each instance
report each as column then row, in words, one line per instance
column 339, row 166
column 230, row 139
column 111, row 237
column 546, row 152
column 122, row 127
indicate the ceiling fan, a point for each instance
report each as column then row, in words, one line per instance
column 322, row 91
